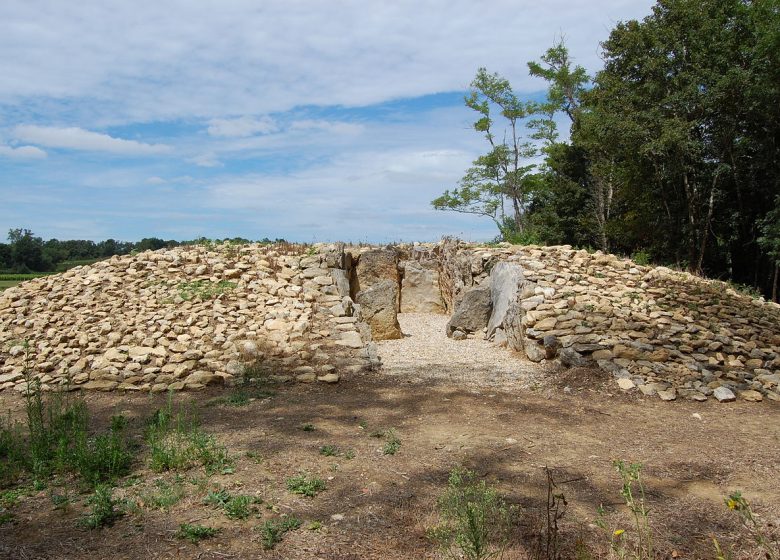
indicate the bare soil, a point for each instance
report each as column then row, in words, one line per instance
column 379, row 506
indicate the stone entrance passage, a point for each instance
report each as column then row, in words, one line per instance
column 425, row 353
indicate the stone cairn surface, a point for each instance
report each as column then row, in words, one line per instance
column 184, row 318
column 195, row 316
column 656, row 330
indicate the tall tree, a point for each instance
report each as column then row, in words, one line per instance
column 675, row 106
column 499, row 184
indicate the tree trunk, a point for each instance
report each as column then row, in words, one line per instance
column 774, row 283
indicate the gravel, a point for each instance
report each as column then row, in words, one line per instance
column 425, row 353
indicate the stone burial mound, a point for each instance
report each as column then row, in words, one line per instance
column 198, row 315
column 656, row 330
column 185, row 318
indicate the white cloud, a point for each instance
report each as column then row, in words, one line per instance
column 206, row 160
column 155, row 181
column 126, row 62
column 22, row 152
column 332, row 127
column 242, row 126
column 74, row 138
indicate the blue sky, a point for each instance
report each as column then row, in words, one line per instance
column 308, row 120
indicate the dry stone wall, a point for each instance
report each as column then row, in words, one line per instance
column 185, row 318
column 659, row 331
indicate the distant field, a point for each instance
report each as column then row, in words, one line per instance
column 7, row 284
column 9, row 280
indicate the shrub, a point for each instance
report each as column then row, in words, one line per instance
column 103, row 511
column 475, row 520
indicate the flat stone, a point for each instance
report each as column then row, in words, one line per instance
column 626, row 384
column 752, row 396
column 329, row 378
column 668, row 394
column 724, row 394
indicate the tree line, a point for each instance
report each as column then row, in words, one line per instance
column 673, row 153
column 25, row 252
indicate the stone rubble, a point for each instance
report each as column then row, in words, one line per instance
column 669, row 333
column 184, row 318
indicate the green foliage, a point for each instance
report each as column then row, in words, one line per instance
column 329, row 450
column 305, row 485
column 639, row 542
column 196, row 533
column 58, row 441
column 273, row 530
column 234, row 506
column 177, row 443
column 392, row 443
column 641, row 258
column 475, row 519
column 764, row 534
column 499, row 184
column 163, row 495
column 204, row 289
column 103, row 508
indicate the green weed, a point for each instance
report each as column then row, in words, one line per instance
column 393, row 444
column 234, row 506
column 177, row 443
column 273, row 530
column 329, row 450
column 163, row 496
column 305, row 486
column 475, row 520
column 103, row 508
column 195, row 533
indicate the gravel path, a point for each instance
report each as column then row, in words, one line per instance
column 426, row 353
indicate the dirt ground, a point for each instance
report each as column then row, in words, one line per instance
column 379, row 506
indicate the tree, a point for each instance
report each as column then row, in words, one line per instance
column 684, row 108
column 27, row 251
column 499, row 184
column 770, row 242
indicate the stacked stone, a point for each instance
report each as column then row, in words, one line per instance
column 183, row 318
column 666, row 332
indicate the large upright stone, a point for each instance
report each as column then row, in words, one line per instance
column 375, row 266
column 506, row 279
column 473, row 311
column 420, row 291
column 378, row 309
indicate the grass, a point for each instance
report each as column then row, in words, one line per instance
column 163, row 495
column 177, row 443
column 55, row 439
column 204, row 289
column 305, row 485
column 196, row 533
column 329, row 450
column 272, row 530
column 233, row 506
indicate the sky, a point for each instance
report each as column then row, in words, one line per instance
column 306, row 120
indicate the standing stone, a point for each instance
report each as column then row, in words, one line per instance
column 473, row 311
column 341, row 281
column 375, row 266
column 378, row 309
column 506, row 279
column 420, row 291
